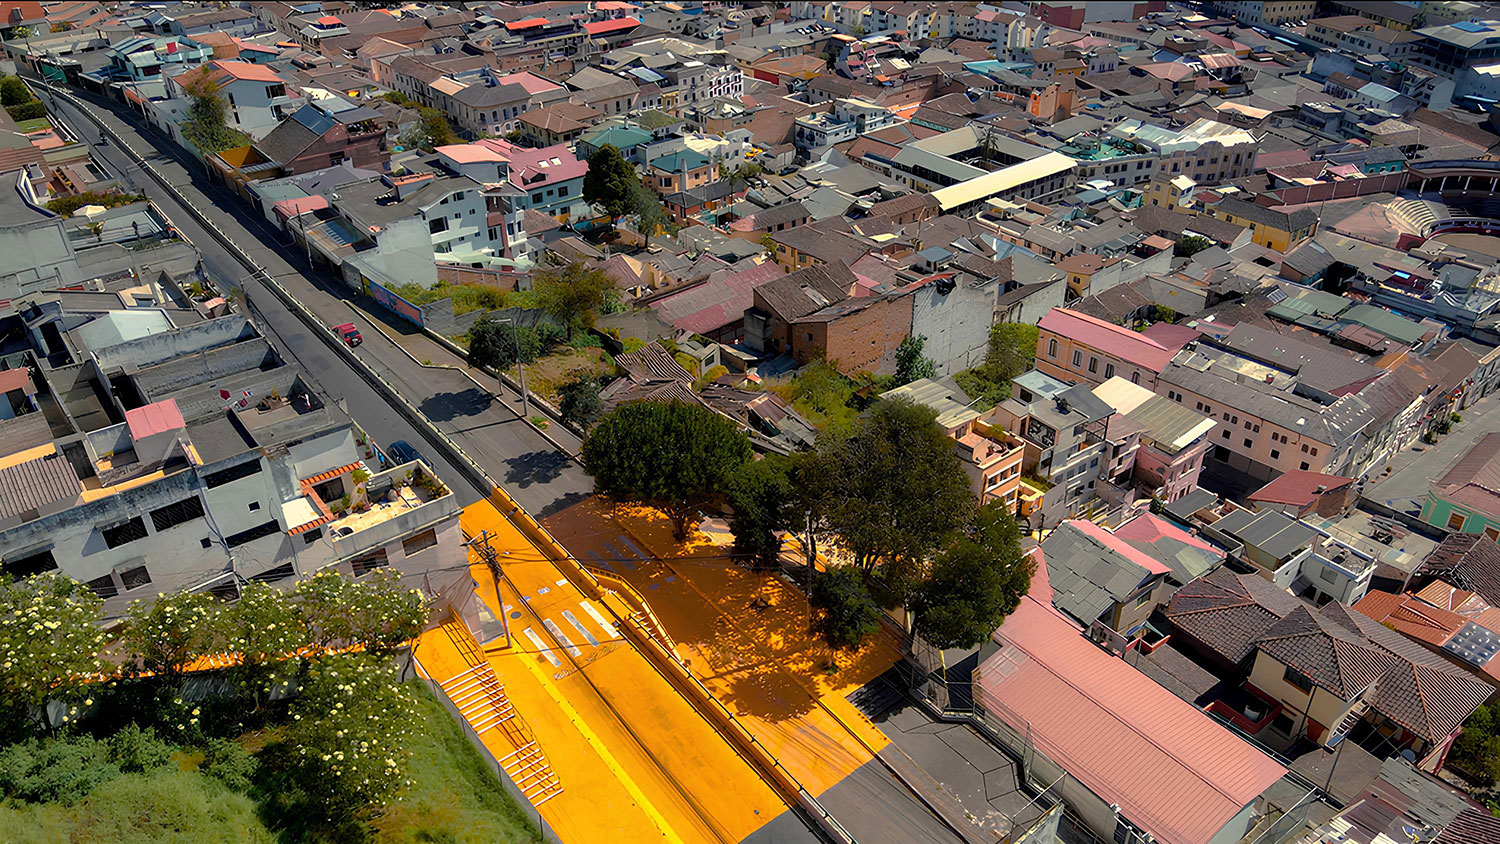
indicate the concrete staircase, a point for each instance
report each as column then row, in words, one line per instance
column 480, row 698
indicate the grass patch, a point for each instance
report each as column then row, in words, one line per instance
column 453, row 797
column 563, row 365
column 466, row 297
column 36, row 124
column 162, row 806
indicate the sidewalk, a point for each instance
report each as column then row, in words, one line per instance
column 1406, row 487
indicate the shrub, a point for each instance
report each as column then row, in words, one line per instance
column 135, row 750
column 27, row 111
column 55, row 770
column 229, row 763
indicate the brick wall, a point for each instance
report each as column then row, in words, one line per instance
column 863, row 341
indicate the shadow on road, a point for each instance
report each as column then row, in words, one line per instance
column 537, row 467
column 445, row 407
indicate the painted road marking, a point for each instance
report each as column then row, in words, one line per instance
column 599, row 619
column 639, row 554
column 573, row 620
column 561, row 639
column 544, row 590
column 542, row 647
column 599, row 560
column 561, row 581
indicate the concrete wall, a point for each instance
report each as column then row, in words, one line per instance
column 203, row 368
column 956, row 324
column 156, row 348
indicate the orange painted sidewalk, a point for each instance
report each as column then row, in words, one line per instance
column 744, row 634
column 635, row 761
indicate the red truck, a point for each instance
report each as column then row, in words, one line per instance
column 349, row 334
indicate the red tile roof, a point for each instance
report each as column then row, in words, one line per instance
column 1173, row 771
column 1127, row 345
column 248, row 71
column 1412, row 617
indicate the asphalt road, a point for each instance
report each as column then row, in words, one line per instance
column 487, row 426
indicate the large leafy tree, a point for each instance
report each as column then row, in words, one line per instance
column 610, row 182
column 13, row 91
column 50, row 642
column 573, row 294
column 266, row 628
column 647, row 208
column 1011, row 351
column 205, row 126
column 911, row 365
column 376, row 612
column 432, row 130
column 847, row 613
column 975, row 583
column 896, row 493
column 764, row 503
column 674, row 456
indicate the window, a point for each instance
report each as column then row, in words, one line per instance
column 104, row 586
column 1314, row 451
column 252, row 534
column 1077, row 358
column 1144, row 599
column 30, row 564
column 536, row 197
column 1248, row 443
column 135, row 578
column 1327, row 575
column 254, row 505
column 1275, row 455
column 562, row 190
column 1135, row 378
column 206, row 542
column 1304, row 448
column 420, row 542
column 1225, row 433
column 1052, row 348
column 437, row 225
column 1093, row 364
column 311, row 536
column 1283, row 724
column 233, row 473
column 171, row 515
column 121, row 534
column 335, row 159
column 368, row 562
column 1492, row 533
column 1109, row 370
column 1304, row 466
column 1247, row 424
column 1297, row 678
column 1456, row 521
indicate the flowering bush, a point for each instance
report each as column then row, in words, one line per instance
column 164, row 636
column 49, row 639
column 375, row 612
column 349, row 728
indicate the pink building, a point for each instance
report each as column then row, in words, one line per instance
column 1077, row 348
column 1173, row 437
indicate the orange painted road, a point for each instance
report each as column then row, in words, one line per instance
column 635, row 761
column 745, row 635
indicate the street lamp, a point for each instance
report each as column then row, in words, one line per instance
column 520, row 367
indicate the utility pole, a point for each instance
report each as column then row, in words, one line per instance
column 481, row 546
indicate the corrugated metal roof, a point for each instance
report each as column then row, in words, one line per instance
column 27, row 486
column 1004, row 179
column 1172, row 770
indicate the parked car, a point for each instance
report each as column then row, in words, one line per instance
column 348, row 333
column 401, row 451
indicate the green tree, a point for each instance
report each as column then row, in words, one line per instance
column 673, row 456
column 847, row 613
column 1191, row 245
column 1164, row 313
column 910, row 364
column 740, row 175
column 1477, row 749
column 13, row 91
column 1011, row 351
column 50, row 643
column 975, row 583
column 764, row 505
column 266, row 628
column 346, row 743
column 610, row 182
column 498, row 345
column 647, row 208
column 165, row 635
column 432, row 130
column 897, row 491
column 375, row 612
column 205, row 126
column 578, row 401
column 573, row 294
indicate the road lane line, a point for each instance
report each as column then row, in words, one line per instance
column 561, row 639
column 542, row 647
column 573, row 620
column 609, row 628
